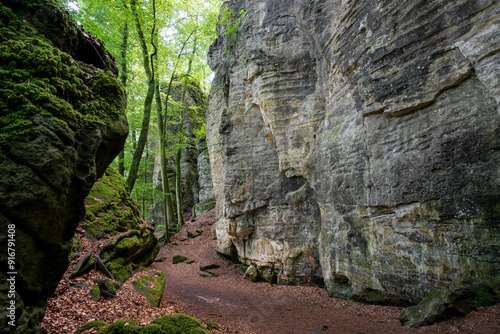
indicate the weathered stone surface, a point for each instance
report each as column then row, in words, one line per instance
column 130, row 250
column 359, row 142
column 204, row 174
column 203, row 207
column 109, row 207
column 62, row 122
column 251, row 274
column 442, row 303
column 151, row 287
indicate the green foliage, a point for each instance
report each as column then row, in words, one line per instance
column 231, row 21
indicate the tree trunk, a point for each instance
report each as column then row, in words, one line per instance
column 123, row 79
column 143, row 136
column 178, row 176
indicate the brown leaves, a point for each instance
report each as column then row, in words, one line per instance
column 72, row 306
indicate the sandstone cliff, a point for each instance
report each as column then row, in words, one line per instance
column 62, row 121
column 357, row 143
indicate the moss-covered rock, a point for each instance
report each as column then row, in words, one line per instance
column 110, row 209
column 168, row 324
column 444, row 303
column 133, row 249
column 76, row 248
column 95, row 293
column 180, row 323
column 62, row 121
column 178, row 259
column 203, row 207
column 89, row 325
column 106, row 287
column 151, row 287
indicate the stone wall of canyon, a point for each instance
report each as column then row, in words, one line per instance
column 357, row 143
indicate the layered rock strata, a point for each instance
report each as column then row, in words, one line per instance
column 62, row 121
column 359, row 142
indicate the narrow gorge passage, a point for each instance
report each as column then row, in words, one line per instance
column 240, row 306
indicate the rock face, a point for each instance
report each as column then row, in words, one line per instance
column 62, row 121
column 358, row 142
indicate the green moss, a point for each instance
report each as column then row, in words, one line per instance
column 92, row 324
column 180, row 323
column 36, row 78
column 190, row 261
column 204, row 206
column 121, row 326
column 120, row 270
column 169, row 324
column 178, row 259
column 151, row 287
column 110, row 209
column 95, row 292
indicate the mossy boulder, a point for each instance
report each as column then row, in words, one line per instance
column 110, row 209
column 89, row 325
column 178, row 259
column 444, row 303
column 62, row 122
column 151, row 287
column 168, row 324
column 106, row 287
column 180, row 323
column 130, row 250
column 203, row 207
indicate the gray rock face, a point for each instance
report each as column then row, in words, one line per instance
column 358, row 142
column 204, row 177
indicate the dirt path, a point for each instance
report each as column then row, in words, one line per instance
column 240, row 306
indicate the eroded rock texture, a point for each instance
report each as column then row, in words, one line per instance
column 358, row 141
column 62, row 122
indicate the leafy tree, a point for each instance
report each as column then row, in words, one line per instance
column 119, row 25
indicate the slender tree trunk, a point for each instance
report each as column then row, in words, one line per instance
column 168, row 206
column 178, row 189
column 123, row 79
column 143, row 136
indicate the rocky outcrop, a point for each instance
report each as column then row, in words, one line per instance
column 62, row 122
column 358, row 142
column 204, row 173
column 109, row 207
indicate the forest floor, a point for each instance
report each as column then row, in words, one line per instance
column 238, row 305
